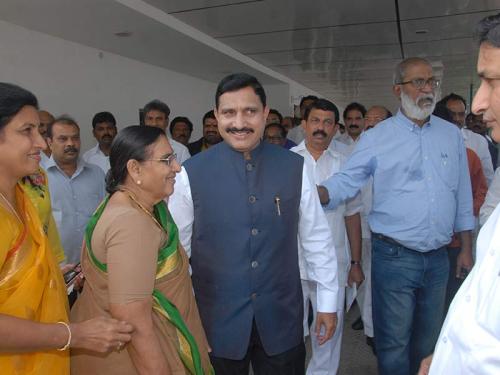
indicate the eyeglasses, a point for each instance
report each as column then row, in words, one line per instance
column 420, row 83
column 168, row 160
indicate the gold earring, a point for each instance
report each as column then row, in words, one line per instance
column 138, row 182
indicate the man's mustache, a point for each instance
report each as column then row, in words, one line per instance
column 319, row 132
column 353, row 126
column 426, row 97
column 70, row 149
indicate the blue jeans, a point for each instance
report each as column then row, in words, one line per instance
column 409, row 289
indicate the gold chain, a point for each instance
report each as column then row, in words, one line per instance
column 134, row 199
column 11, row 207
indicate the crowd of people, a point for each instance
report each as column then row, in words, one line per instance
column 151, row 254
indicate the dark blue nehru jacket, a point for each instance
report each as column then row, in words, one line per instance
column 243, row 251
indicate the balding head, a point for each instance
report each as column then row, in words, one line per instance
column 376, row 114
column 402, row 68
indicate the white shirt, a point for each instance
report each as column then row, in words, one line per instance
column 345, row 145
column 347, row 140
column 479, row 145
column 44, row 160
column 367, row 199
column 469, row 342
column 179, row 149
column 96, row 156
column 329, row 163
column 492, row 199
column 296, row 134
column 314, row 235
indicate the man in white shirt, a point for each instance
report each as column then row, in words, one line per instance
column 321, row 123
column 373, row 116
column 104, row 131
column 240, row 207
column 354, row 120
column 297, row 134
column 456, row 105
column 469, row 342
column 156, row 114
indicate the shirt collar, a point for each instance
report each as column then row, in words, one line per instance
column 409, row 124
column 80, row 165
column 331, row 150
column 97, row 151
column 254, row 154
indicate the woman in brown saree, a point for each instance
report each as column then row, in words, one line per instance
column 135, row 268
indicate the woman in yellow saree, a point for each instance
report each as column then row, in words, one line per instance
column 34, row 330
column 135, row 268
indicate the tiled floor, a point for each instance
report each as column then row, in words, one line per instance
column 356, row 357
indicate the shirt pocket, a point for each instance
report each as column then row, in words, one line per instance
column 448, row 168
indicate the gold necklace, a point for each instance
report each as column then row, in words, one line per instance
column 11, row 207
column 134, row 199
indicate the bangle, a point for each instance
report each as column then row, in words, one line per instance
column 355, row 262
column 69, row 336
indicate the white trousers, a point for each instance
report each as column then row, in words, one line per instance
column 325, row 358
column 364, row 297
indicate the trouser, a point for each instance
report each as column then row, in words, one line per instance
column 454, row 283
column 408, row 289
column 364, row 297
column 325, row 358
column 291, row 362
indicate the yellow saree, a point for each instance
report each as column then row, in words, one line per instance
column 31, row 286
column 37, row 189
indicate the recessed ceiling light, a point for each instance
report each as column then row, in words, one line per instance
column 124, row 34
column 421, row 31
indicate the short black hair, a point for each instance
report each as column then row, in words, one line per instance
column 442, row 111
column 63, row 119
column 237, row 81
column 101, row 117
column 307, row 98
column 276, row 112
column 156, row 105
column 324, row 105
column 209, row 114
column 488, row 30
column 354, row 106
column 276, row 125
column 178, row 119
column 455, row 97
column 12, row 99
column 130, row 143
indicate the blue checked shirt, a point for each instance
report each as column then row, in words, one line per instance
column 421, row 184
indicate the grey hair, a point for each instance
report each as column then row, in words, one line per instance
column 400, row 70
column 488, row 30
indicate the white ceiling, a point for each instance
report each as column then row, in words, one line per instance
column 343, row 49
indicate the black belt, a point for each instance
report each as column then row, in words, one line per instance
column 386, row 239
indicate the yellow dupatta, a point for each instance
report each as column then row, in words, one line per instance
column 37, row 189
column 31, row 286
